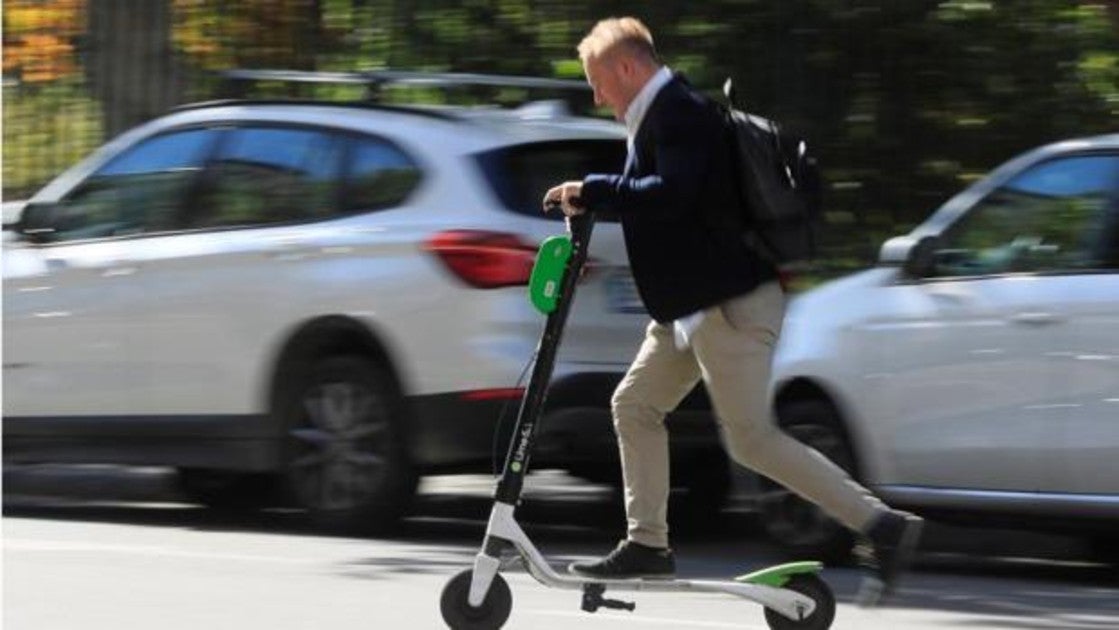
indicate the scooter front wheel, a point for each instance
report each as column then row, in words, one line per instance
column 815, row 588
column 460, row 615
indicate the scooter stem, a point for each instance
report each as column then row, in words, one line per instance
column 520, row 448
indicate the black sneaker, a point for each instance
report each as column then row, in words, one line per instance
column 629, row 560
column 892, row 542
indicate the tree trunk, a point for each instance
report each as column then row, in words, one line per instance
column 130, row 61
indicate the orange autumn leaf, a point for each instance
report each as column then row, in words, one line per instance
column 37, row 38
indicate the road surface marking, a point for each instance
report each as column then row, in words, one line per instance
column 676, row 623
column 29, row 544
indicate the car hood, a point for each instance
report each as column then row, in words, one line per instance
column 834, row 299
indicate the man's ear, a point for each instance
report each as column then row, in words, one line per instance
column 626, row 68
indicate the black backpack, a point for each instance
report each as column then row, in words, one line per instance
column 779, row 187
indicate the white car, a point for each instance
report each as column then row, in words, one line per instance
column 974, row 373
column 330, row 293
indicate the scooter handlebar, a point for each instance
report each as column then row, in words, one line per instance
column 578, row 224
column 580, row 227
column 555, row 205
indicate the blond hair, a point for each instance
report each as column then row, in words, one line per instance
column 610, row 34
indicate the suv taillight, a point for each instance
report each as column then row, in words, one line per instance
column 482, row 259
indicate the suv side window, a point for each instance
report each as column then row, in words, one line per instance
column 520, row 175
column 1053, row 217
column 379, row 175
column 264, row 175
column 141, row 190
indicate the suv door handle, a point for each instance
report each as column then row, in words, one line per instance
column 119, row 271
column 950, row 293
column 287, row 247
column 1036, row 318
column 288, row 254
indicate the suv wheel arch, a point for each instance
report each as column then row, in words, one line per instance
column 340, row 358
column 329, row 335
column 808, row 413
column 805, row 390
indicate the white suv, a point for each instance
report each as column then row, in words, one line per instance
column 975, row 372
column 334, row 292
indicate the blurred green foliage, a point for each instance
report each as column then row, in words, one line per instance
column 905, row 100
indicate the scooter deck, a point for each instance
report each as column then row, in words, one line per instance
column 776, row 576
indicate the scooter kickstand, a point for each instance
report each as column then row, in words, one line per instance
column 593, row 599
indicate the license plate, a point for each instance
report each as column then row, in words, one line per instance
column 621, row 294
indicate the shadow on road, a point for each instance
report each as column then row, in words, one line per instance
column 448, row 509
column 1026, row 581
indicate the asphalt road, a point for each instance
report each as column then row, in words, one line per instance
column 96, row 549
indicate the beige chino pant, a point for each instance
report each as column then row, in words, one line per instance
column 731, row 350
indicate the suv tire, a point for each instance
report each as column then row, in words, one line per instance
column 347, row 461
column 796, row 525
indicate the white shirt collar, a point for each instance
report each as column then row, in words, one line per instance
column 635, row 113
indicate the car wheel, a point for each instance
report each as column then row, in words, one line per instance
column 347, row 461
column 798, row 526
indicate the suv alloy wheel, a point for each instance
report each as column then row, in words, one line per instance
column 347, row 463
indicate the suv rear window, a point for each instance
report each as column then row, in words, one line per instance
column 521, row 174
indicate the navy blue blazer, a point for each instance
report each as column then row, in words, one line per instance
column 673, row 199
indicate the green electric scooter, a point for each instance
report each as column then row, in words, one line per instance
column 478, row 598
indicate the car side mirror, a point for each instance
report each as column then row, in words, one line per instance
column 915, row 255
column 921, row 261
column 37, row 222
column 12, row 211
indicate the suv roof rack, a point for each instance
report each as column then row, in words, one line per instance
column 375, row 80
column 404, row 109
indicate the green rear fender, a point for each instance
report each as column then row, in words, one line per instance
column 779, row 575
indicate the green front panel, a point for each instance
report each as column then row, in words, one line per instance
column 547, row 274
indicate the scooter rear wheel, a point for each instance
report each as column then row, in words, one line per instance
column 821, row 617
column 460, row 615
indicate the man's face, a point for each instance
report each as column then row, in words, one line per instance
column 605, row 76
